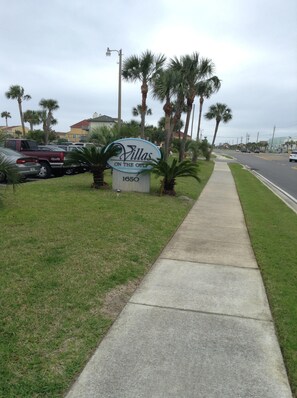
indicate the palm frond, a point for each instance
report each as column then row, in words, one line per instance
column 9, row 170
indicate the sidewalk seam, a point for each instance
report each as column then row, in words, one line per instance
column 200, row 312
column 205, row 263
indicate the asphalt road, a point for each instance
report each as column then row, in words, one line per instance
column 275, row 167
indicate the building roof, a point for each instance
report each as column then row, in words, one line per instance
column 81, row 124
column 84, row 124
column 103, row 118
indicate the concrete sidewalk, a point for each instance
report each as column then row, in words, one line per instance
column 199, row 325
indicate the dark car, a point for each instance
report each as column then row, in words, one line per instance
column 27, row 166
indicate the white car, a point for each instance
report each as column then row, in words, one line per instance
column 293, row 156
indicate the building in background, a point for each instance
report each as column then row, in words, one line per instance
column 80, row 131
column 282, row 144
column 14, row 131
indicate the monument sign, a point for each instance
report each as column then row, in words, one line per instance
column 133, row 157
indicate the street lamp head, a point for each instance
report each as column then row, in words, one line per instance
column 108, row 52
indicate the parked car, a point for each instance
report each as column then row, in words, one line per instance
column 68, row 170
column 52, row 162
column 50, row 148
column 293, row 156
column 27, row 166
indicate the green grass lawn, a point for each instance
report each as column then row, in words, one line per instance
column 63, row 248
column 273, row 231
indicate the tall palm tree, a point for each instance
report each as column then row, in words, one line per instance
column 48, row 106
column 136, row 111
column 18, row 93
column 94, row 157
column 143, row 68
column 6, row 115
column 205, row 89
column 193, row 69
column 32, row 117
column 219, row 112
column 164, row 88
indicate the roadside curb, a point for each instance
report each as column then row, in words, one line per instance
column 280, row 193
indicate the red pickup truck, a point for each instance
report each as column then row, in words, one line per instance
column 51, row 162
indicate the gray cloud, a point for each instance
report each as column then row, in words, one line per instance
column 57, row 50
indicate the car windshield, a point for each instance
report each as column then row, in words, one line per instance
column 9, row 152
column 51, row 148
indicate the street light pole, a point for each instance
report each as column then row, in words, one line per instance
column 108, row 53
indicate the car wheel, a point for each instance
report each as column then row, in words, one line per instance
column 2, row 177
column 45, row 170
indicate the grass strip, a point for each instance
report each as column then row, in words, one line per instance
column 64, row 247
column 273, row 231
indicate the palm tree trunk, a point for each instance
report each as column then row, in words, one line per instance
column 167, row 109
column 168, row 187
column 167, row 136
column 185, row 136
column 144, row 91
column 199, row 118
column 22, row 117
column 215, row 134
column 98, row 177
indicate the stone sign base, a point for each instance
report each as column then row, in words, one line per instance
column 130, row 182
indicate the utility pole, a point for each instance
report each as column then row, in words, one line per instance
column 271, row 147
column 120, row 54
column 257, row 137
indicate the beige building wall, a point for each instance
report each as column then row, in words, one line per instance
column 76, row 134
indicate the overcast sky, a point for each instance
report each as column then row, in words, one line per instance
column 56, row 49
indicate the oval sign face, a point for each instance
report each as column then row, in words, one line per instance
column 134, row 154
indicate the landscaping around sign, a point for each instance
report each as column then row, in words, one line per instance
column 132, row 158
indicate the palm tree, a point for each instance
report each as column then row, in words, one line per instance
column 164, row 88
column 136, row 111
column 104, row 135
column 192, row 69
column 6, row 115
column 32, row 117
column 219, row 112
column 8, row 171
column 204, row 90
column 48, row 106
column 94, row 157
column 171, row 171
column 17, row 92
column 144, row 69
